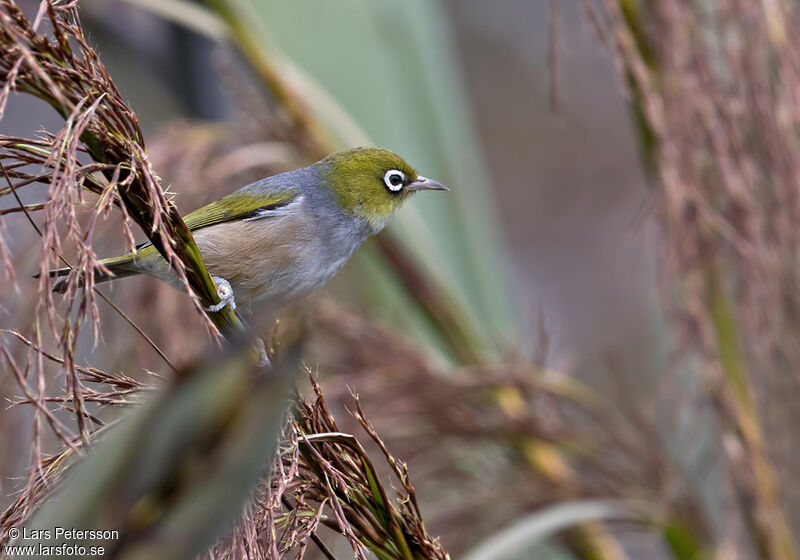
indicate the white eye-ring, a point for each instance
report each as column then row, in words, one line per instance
column 394, row 179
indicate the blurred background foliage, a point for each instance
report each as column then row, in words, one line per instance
column 563, row 423
column 391, row 67
column 462, row 90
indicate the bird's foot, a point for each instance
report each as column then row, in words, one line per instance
column 263, row 358
column 225, row 294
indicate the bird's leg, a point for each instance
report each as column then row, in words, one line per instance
column 259, row 346
column 225, row 294
column 263, row 359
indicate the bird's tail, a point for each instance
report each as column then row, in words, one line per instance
column 117, row 267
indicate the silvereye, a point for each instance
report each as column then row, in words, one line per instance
column 282, row 237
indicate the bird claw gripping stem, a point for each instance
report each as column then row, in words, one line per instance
column 225, row 294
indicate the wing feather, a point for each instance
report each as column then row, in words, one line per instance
column 240, row 205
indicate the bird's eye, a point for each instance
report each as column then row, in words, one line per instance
column 394, row 180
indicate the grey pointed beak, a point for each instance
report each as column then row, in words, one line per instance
column 425, row 184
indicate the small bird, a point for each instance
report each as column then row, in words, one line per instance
column 280, row 238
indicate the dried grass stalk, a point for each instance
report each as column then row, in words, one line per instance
column 99, row 151
column 715, row 88
column 60, row 68
column 324, row 476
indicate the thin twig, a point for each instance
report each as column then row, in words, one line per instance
column 122, row 314
column 314, row 537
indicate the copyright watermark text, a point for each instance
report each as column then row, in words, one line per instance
column 58, row 541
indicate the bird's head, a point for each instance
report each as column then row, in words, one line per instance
column 372, row 183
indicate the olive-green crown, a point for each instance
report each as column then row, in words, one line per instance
column 357, row 180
